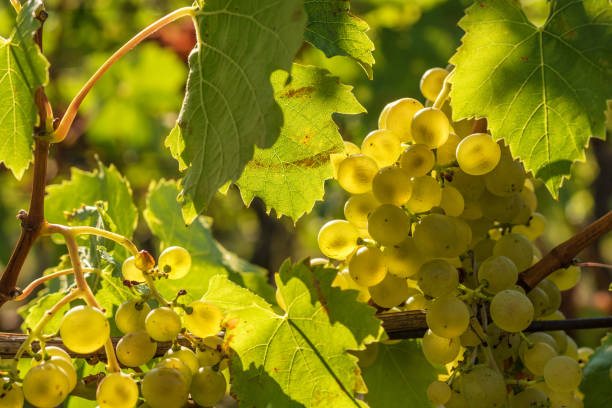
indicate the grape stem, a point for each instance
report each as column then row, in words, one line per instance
column 592, row 265
column 154, row 292
column 444, row 93
column 35, row 283
column 64, row 126
column 120, row 239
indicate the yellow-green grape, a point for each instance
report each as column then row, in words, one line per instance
column 431, row 85
column 45, row 385
column 130, row 271
column 562, row 373
column 68, row 368
column 438, row 278
column 209, row 352
column 438, row 392
column 383, row 146
column 11, row 397
column 524, row 212
column 535, row 227
column 392, row 185
column 430, row 127
column 417, row 160
column 344, row 281
column 571, row 349
column 388, row 224
column 397, row 117
column 186, row 355
column 469, row 338
column 117, row 390
column 457, row 400
column 484, row 387
column 529, row 397
column 417, row 302
column 517, row 248
column 499, row 272
column 503, row 345
column 178, row 365
column 338, row 239
column 448, row 317
column 164, row 387
column 367, row 356
column 358, row 207
column 355, row 173
column 538, row 337
column 337, row 158
column 136, row 348
column 84, row 329
column 208, row 387
column 470, row 187
column 554, row 295
column 565, row 278
column 446, row 154
column 53, row 351
column 391, row 292
column 511, row 311
column 478, row 154
column 426, row 194
column 584, row 354
column 452, row 201
column 175, row 261
column 367, row 266
column 439, row 350
column 205, row 319
column 501, row 209
column 403, row 259
column 536, row 357
column 483, row 249
column 471, row 210
column 163, row 324
column 540, row 301
column 508, row 177
column 131, row 315
column 440, row 236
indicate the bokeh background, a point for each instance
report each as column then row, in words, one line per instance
column 125, row 119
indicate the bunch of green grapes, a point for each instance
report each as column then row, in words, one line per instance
column 443, row 219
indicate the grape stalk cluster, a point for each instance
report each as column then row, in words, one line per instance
column 443, row 219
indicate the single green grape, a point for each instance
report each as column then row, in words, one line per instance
column 131, row 315
column 430, row 127
column 445, row 154
column 208, row 387
column 536, row 226
column 571, row 348
column 417, row 160
column 441, row 236
column 478, row 154
column 358, row 208
column 403, row 259
column 426, row 194
column 438, row 392
column 338, row 239
column 392, row 185
column 388, row 224
column 452, row 201
column 344, row 281
column 11, row 397
column 538, row 337
column 440, row 350
column 565, row 278
column 438, row 278
column 417, row 301
column 508, row 177
column 68, row 368
column 540, row 301
column 178, row 365
column 470, row 187
column 84, row 329
column 501, row 209
column 46, row 385
column 499, row 272
column 392, row 291
column 355, row 173
column 130, row 271
column 529, row 397
column 164, row 387
column 554, row 295
column 204, row 320
column 431, row 85
column 117, row 390
column 163, row 324
column 562, row 373
column 512, row 311
column 448, row 317
column 536, row 357
column 175, row 261
column 367, row 266
column 337, row 158
column 383, row 146
column 517, row 248
column 136, row 348
column 484, row 387
column 186, row 355
column 210, row 353
column 53, row 351
column 397, row 117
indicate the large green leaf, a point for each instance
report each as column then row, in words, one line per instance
column 596, row 377
column 542, row 89
column 335, row 31
column 36, row 309
column 23, row 68
column 104, row 184
column 209, row 258
column 298, row 358
column 290, row 175
column 400, row 373
column 229, row 106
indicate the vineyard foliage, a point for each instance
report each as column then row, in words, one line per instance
column 254, row 117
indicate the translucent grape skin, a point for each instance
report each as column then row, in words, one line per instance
column 517, row 248
column 205, row 319
column 426, row 194
column 358, row 207
column 388, row 224
column 432, row 82
column 338, row 239
column 383, row 146
column 438, row 392
column 392, row 185
column 163, row 324
column 355, row 173
column 208, row 387
column 84, row 329
column 337, row 158
column 417, row 160
column 512, row 311
column 448, row 317
column 484, row 387
column 131, row 315
column 536, row 357
column 344, row 281
column 562, row 373
column 565, row 278
column 430, row 127
column 445, row 154
column 45, row 385
column 403, row 259
column 136, row 348
column 499, row 272
column 367, row 266
column 117, row 390
column 130, row 271
column 391, row 292
column 164, row 387
column 397, row 117
column 68, row 368
column 210, row 352
column 508, row 177
column 440, row 350
column 175, row 261
column 178, row 365
column 440, row 236
column 529, row 397
column 451, row 201
column 438, row 278
column 186, row 355
column 478, row 154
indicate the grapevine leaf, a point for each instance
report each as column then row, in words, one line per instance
column 86, row 188
column 335, row 31
column 290, row 175
column 596, row 377
column 542, row 89
column 23, row 69
column 209, row 258
column 298, row 358
column 400, row 373
column 229, row 104
column 111, row 292
column 35, row 310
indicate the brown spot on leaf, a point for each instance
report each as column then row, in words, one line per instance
column 298, row 93
column 524, row 59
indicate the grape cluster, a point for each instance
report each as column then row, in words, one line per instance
column 181, row 372
column 443, row 219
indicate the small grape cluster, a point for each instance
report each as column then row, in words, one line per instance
column 443, row 219
column 181, row 372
